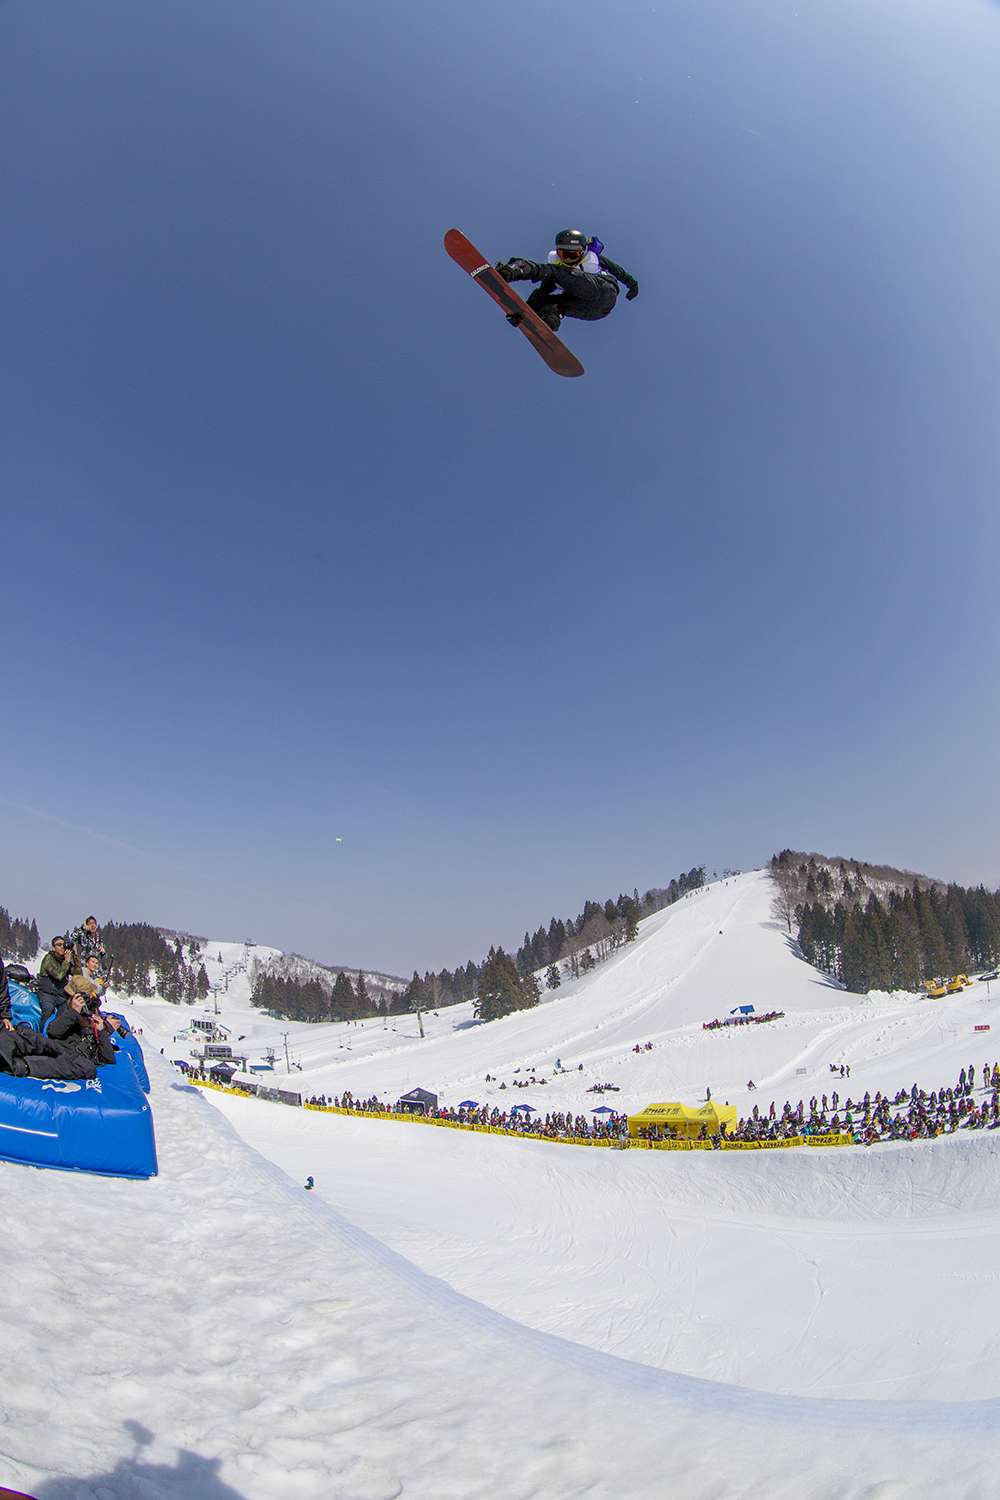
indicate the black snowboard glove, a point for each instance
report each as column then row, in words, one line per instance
column 522, row 270
column 504, row 270
column 632, row 292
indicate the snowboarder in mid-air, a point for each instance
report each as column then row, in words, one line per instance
column 577, row 281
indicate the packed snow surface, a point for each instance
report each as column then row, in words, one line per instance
column 463, row 1315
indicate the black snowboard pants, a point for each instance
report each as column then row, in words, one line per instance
column 28, row 1054
column 49, row 998
column 574, row 293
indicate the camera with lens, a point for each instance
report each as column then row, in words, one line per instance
column 91, row 1004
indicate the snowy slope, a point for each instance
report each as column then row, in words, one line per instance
column 693, row 962
column 839, row 1274
column 216, row 1334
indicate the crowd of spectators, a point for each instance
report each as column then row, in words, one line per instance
column 907, row 1116
column 771, row 1015
column 553, row 1126
column 72, row 1038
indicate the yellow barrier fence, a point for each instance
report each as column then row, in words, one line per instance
column 622, row 1143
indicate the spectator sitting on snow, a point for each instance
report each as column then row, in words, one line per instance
column 54, row 973
column 82, row 1028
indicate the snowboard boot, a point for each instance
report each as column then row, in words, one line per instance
column 552, row 318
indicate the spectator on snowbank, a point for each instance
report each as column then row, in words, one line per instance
column 92, row 973
column 5, row 1016
column 54, row 973
column 87, row 940
column 28, row 1054
column 82, row 1028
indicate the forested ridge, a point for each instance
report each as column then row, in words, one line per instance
column 564, row 948
column 877, row 928
column 18, row 938
column 143, row 960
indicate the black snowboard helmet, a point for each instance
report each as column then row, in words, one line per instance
column 571, row 246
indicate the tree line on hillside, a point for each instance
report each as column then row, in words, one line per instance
column 18, row 938
column 914, row 931
column 503, row 984
column 499, row 985
column 142, row 961
column 307, row 1000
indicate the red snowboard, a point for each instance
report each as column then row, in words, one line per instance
column 552, row 349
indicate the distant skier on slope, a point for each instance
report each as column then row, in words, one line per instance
column 577, row 281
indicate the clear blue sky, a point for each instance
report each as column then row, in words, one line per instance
column 303, row 542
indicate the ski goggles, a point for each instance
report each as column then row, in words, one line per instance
column 570, row 254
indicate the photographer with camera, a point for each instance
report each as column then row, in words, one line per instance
column 80, row 1026
column 54, row 973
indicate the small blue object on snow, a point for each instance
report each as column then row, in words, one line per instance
column 742, row 1010
column 309, row 1184
column 101, row 1125
column 468, row 1104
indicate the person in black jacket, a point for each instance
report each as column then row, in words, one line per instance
column 577, row 281
column 28, row 1054
column 5, row 1016
column 84, row 1031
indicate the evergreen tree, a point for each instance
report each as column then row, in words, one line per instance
column 552, row 977
column 955, row 935
column 932, row 940
column 415, row 997
column 343, row 1004
column 628, row 908
column 501, row 988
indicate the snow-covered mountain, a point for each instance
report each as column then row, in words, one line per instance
column 467, row 1315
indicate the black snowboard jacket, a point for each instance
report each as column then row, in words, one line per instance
column 26, row 1053
column 609, row 267
column 78, row 1033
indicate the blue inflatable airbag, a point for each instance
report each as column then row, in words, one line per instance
column 125, row 1040
column 101, row 1125
column 25, row 1009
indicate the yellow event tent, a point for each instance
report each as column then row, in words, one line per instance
column 679, row 1122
